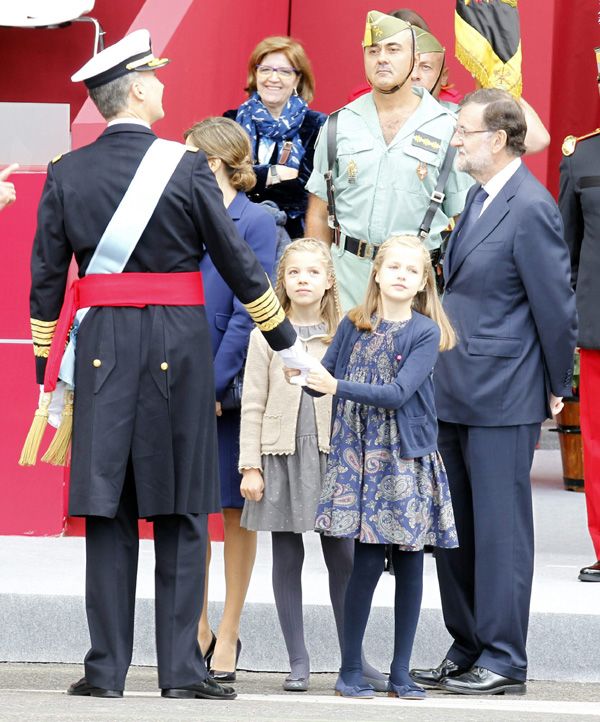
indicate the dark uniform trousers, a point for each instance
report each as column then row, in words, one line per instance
column 111, row 572
column 486, row 581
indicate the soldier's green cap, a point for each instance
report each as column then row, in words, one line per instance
column 380, row 26
column 427, row 43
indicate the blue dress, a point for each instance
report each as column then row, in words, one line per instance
column 370, row 493
column 230, row 327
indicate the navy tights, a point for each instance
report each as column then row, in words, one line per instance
column 369, row 561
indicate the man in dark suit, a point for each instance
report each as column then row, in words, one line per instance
column 509, row 298
column 579, row 203
column 144, row 438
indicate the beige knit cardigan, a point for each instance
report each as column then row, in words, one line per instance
column 270, row 404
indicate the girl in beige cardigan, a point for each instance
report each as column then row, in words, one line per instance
column 284, row 441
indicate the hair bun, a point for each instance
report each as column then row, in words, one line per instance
column 243, row 177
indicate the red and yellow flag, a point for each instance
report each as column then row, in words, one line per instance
column 488, row 42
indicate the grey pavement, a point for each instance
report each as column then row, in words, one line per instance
column 43, row 620
column 36, row 692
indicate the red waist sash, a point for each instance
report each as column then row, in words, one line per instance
column 119, row 289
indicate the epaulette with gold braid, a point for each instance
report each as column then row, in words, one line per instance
column 570, row 142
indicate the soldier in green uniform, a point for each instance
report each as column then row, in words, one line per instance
column 390, row 144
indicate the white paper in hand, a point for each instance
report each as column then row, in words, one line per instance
column 296, row 357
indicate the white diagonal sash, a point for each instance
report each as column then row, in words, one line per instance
column 126, row 226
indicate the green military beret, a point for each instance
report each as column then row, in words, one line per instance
column 380, row 26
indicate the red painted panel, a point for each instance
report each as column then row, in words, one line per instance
column 31, row 497
column 573, row 98
column 42, row 61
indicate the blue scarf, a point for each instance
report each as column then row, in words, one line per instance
column 259, row 123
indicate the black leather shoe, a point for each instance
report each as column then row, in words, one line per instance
column 208, row 689
column 84, row 689
column 433, row 677
column 479, row 680
column 591, row 573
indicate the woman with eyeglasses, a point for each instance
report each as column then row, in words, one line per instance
column 282, row 128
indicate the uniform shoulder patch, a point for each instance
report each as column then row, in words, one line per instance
column 570, row 142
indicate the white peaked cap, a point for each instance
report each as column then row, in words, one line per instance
column 131, row 54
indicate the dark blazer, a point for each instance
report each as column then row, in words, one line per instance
column 579, row 203
column 509, row 298
column 131, row 407
column 228, row 321
column 290, row 195
column 411, row 392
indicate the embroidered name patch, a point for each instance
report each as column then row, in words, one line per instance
column 427, row 142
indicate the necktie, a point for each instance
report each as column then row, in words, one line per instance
column 472, row 215
column 474, row 211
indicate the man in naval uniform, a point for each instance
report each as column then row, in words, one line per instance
column 579, row 203
column 390, row 145
column 144, row 435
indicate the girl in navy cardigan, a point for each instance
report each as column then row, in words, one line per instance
column 385, row 481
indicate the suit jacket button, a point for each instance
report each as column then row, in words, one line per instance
column 164, row 366
column 97, row 363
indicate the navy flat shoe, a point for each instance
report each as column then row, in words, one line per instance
column 358, row 691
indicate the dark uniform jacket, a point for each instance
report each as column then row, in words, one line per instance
column 579, row 203
column 144, row 391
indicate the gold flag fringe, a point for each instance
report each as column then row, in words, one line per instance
column 36, row 432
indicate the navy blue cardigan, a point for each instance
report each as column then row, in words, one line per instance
column 410, row 394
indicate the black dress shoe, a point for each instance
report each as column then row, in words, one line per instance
column 207, row 689
column 479, row 680
column 84, row 689
column 221, row 676
column 591, row 573
column 433, row 677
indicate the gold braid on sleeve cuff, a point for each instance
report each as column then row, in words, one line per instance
column 266, row 311
column 42, row 333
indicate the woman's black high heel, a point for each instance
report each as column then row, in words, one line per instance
column 210, row 651
column 219, row 676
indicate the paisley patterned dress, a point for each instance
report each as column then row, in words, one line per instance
column 370, row 493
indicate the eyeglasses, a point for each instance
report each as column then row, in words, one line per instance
column 282, row 72
column 460, row 132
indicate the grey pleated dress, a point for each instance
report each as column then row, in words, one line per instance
column 292, row 481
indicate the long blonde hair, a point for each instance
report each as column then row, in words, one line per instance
column 223, row 138
column 426, row 301
column 330, row 307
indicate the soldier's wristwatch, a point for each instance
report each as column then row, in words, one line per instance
column 274, row 175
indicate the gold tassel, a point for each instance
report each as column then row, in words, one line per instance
column 58, row 451
column 36, row 432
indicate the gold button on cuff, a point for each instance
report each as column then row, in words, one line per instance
column 97, row 363
column 164, row 366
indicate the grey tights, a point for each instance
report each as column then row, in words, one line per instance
column 288, row 558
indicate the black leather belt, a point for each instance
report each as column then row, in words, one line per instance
column 362, row 249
